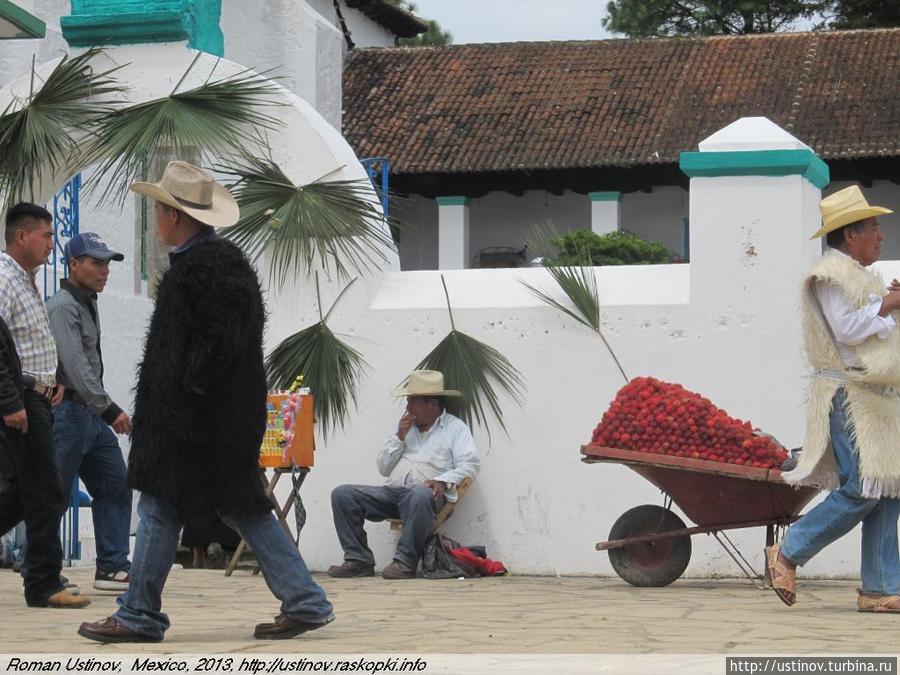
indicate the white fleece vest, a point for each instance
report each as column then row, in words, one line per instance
column 874, row 417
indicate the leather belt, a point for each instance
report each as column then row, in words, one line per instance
column 44, row 390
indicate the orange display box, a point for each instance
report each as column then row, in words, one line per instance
column 303, row 445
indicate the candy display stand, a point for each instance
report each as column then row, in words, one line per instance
column 288, row 447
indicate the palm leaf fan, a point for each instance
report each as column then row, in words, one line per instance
column 579, row 285
column 219, row 118
column 330, row 368
column 39, row 136
column 333, row 222
column 473, row 367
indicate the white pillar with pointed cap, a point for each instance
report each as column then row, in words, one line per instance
column 754, row 198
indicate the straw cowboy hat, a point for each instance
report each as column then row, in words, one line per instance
column 844, row 207
column 424, row 383
column 190, row 189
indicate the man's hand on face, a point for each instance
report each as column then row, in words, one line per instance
column 405, row 425
column 437, row 488
column 122, row 424
column 18, row 420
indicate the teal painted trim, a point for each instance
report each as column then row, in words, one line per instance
column 605, row 196
column 117, row 22
column 201, row 19
column 757, row 163
column 29, row 24
column 123, row 29
column 452, row 201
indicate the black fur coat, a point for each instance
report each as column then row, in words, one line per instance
column 200, row 405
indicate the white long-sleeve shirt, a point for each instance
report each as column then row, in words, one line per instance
column 446, row 452
column 850, row 326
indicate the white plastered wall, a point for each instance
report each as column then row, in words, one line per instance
column 724, row 325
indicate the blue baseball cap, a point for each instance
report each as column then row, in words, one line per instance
column 88, row 243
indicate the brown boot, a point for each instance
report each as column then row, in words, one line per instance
column 352, row 568
column 63, row 600
column 398, row 570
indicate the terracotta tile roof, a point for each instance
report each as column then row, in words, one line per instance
column 557, row 105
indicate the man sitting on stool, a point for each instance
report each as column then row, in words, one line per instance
column 431, row 453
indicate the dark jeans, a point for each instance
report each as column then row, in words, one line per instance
column 35, row 494
column 353, row 504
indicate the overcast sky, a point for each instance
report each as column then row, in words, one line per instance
column 516, row 20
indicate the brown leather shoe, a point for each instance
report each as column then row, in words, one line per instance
column 398, row 570
column 110, row 630
column 285, row 627
column 62, row 600
column 352, row 568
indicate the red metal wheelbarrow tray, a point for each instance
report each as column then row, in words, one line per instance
column 713, row 493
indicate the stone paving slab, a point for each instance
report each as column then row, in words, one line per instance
column 211, row 613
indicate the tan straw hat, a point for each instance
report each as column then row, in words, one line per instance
column 844, row 207
column 424, row 383
column 191, row 189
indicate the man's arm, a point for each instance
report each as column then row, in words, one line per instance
column 66, row 325
column 389, row 455
column 853, row 326
column 465, row 457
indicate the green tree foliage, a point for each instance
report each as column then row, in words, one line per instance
column 435, row 36
column 659, row 18
column 581, row 247
column 864, row 14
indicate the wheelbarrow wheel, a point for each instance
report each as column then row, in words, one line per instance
column 652, row 563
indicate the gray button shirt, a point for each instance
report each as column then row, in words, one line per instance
column 76, row 327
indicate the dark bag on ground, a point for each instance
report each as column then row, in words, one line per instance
column 439, row 561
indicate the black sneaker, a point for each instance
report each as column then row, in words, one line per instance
column 112, row 581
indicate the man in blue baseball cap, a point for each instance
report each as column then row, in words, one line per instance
column 84, row 422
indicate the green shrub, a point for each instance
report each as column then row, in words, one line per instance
column 586, row 247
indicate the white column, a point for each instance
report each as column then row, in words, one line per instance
column 453, row 233
column 606, row 211
column 754, row 200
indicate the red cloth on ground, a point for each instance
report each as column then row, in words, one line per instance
column 485, row 566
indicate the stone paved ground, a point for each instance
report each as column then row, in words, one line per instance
column 539, row 615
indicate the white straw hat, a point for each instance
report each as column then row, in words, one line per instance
column 424, row 383
column 190, row 189
column 844, row 207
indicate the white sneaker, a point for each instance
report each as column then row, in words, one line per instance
column 114, row 581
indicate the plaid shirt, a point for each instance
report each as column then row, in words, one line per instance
column 22, row 308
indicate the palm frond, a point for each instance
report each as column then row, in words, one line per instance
column 472, row 367
column 330, row 368
column 334, row 222
column 39, row 136
column 218, row 118
column 579, row 285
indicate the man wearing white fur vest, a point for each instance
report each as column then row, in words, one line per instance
column 852, row 445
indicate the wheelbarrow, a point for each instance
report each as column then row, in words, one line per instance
column 650, row 545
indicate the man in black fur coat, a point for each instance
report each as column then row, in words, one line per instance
column 200, row 415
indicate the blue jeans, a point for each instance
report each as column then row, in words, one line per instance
column 843, row 509
column 353, row 504
column 86, row 446
column 285, row 572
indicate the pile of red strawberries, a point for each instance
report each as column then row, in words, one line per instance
column 653, row 416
